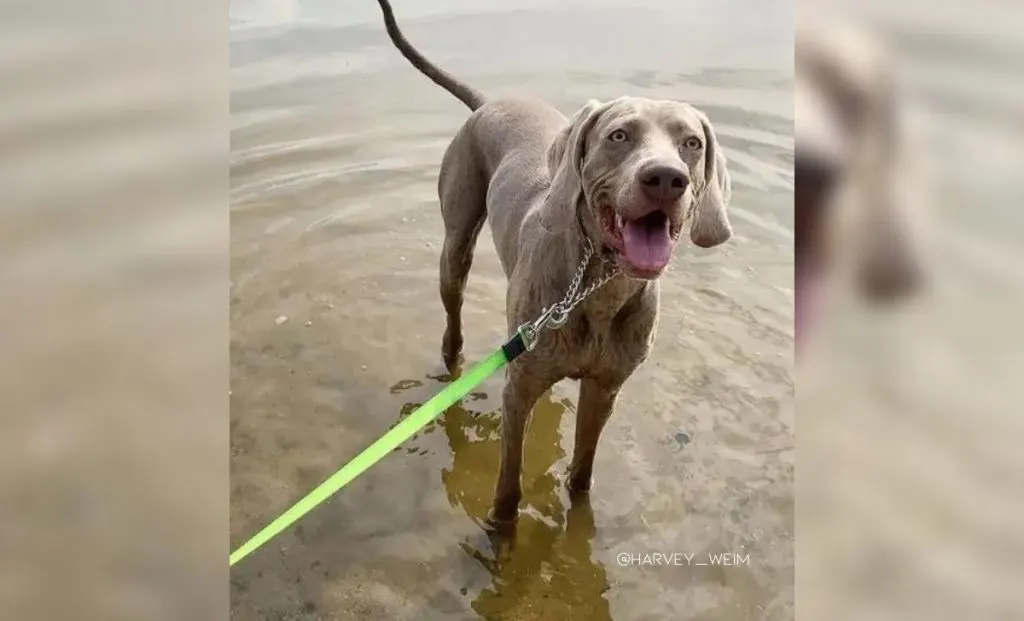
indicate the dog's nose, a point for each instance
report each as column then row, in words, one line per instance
column 663, row 183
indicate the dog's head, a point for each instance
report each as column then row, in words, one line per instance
column 850, row 172
column 638, row 172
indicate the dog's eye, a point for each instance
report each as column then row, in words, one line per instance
column 693, row 143
column 618, row 136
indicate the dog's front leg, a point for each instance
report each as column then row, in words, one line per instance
column 594, row 408
column 523, row 387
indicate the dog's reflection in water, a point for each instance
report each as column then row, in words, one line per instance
column 541, row 566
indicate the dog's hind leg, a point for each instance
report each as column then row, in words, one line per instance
column 462, row 188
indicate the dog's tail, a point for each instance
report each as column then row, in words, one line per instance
column 466, row 93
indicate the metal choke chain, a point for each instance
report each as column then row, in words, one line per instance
column 557, row 314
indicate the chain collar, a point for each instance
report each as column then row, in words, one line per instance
column 555, row 316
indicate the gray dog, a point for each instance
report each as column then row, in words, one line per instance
column 622, row 177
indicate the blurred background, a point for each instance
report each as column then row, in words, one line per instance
column 909, row 142
column 113, row 311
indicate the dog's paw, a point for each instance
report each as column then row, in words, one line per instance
column 501, row 519
column 497, row 530
column 577, row 484
column 451, row 351
column 453, row 364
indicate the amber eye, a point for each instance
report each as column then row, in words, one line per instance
column 693, row 143
column 618, row 136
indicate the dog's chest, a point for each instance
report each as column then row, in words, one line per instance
column 601, row 347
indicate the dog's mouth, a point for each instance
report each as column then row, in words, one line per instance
column 643, row 245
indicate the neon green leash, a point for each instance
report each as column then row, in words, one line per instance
column 524, row 340
column 397, row 435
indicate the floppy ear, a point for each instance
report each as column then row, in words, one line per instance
column 710, row 226
column 565, row 159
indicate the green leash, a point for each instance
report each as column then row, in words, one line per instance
column 524, row 340
column 392, row 439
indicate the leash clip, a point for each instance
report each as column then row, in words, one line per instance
column 528, row 334
column 556, row 316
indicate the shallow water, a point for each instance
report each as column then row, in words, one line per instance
column 336, row 144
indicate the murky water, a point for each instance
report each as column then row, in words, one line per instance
column 336, row 144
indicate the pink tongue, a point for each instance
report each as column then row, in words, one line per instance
column 647, row 245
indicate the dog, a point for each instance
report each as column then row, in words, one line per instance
column 624, row 177
column 855, row 193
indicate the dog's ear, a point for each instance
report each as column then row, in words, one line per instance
column 710, row 225
column 565, row 155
